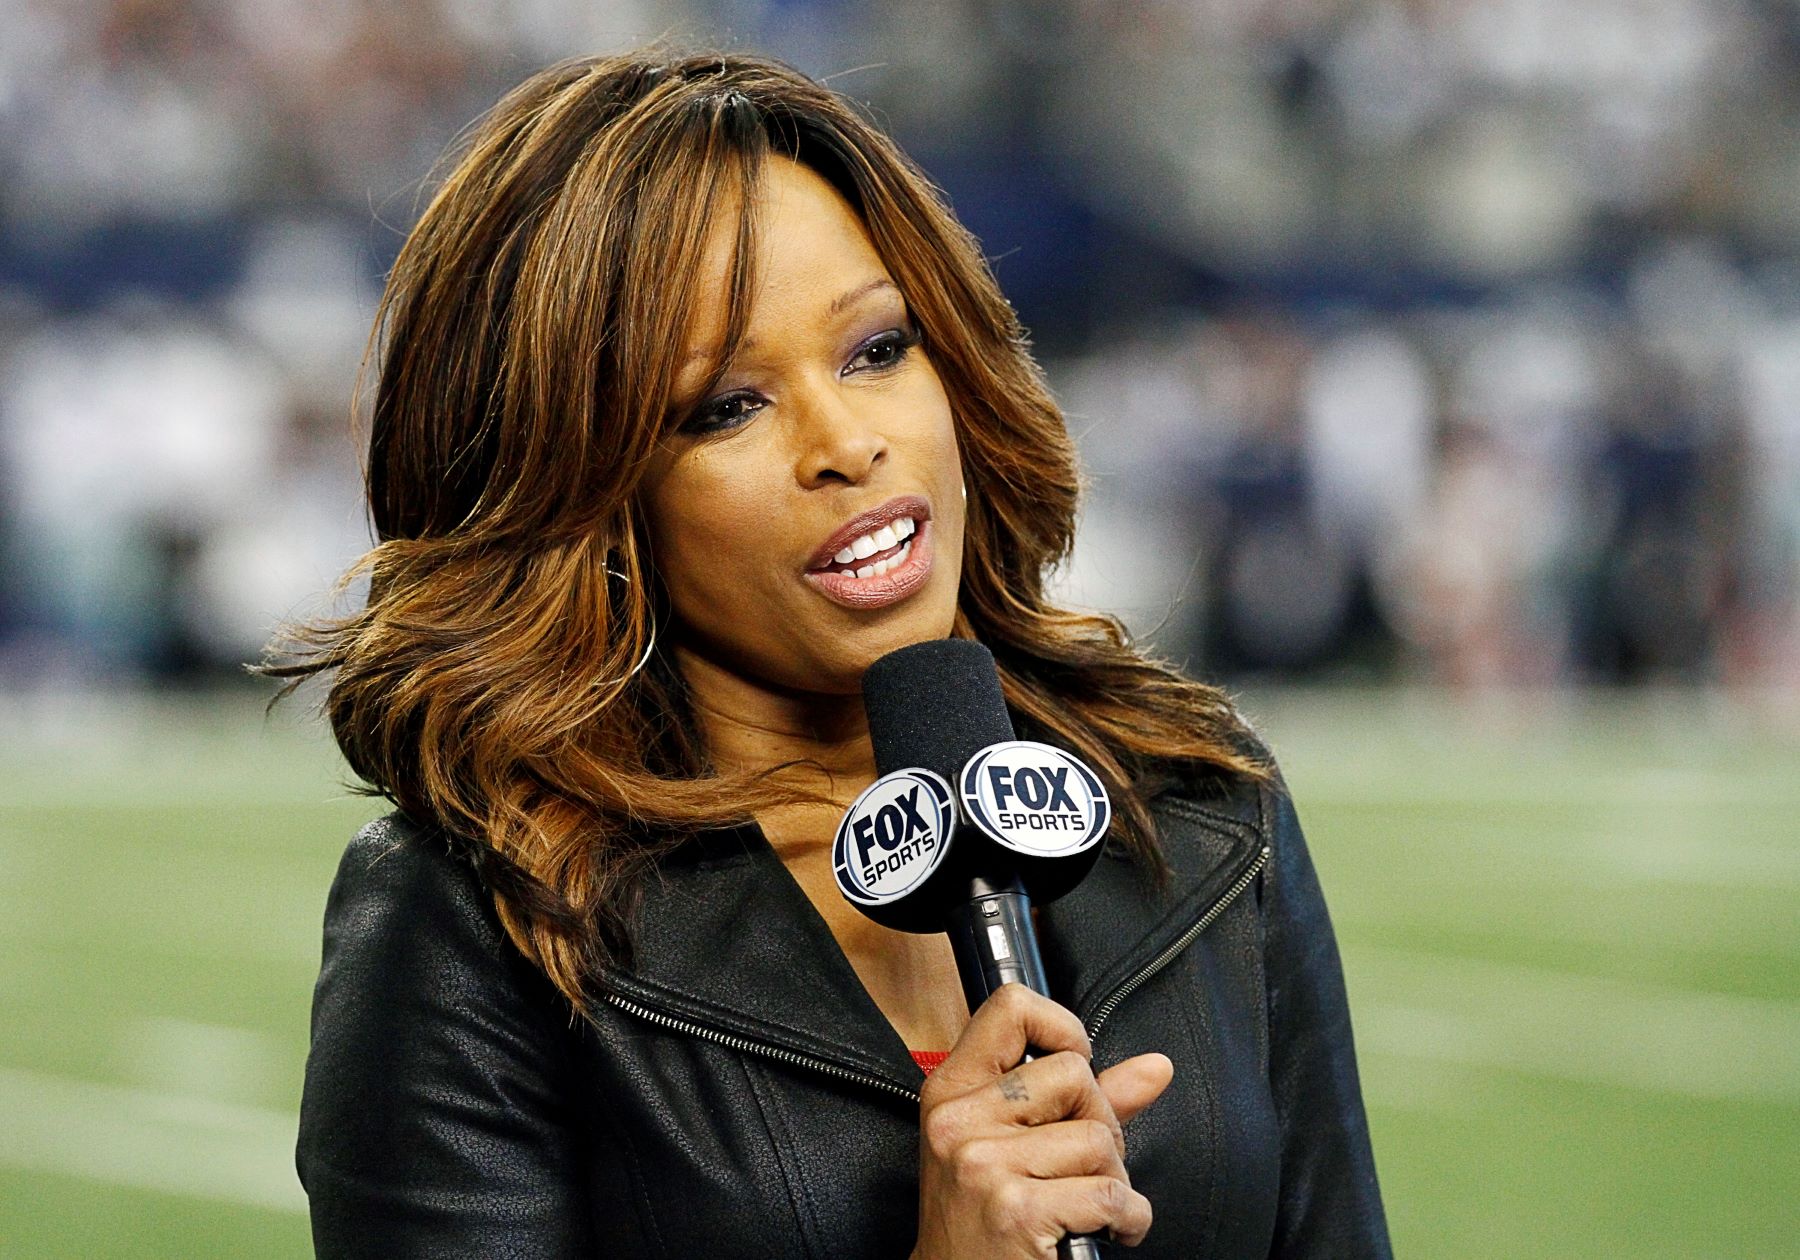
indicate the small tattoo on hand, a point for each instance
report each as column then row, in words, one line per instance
column 1013, row 1089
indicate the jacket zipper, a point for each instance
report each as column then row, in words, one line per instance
column 1231, row 894
column 746, row 1046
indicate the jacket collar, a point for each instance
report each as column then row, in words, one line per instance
column 728, row 939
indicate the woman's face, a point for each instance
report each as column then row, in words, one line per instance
column 808, row 516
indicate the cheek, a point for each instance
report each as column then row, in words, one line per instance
column 945, row 453
column 705, row 524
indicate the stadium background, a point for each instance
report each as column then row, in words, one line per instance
column 1437, row 365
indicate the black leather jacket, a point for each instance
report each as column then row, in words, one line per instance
column 740, row 1095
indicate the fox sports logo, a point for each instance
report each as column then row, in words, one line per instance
column 894, row 835
column 1035, row 799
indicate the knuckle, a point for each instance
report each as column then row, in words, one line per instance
column 1071, row 1069
column 1070, row 1033
column 1130, row 1227
column 1010, row 1204
column 1140, row 1215
column 942, row 1131
column 1098, row 1137
column 1013, row 998
column 973, row 1160
column 1114, row 1197
column 1075, row 1031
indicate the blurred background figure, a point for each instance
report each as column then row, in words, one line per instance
column 1413, row 340
column 1416, row 348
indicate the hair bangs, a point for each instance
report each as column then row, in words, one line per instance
column 693, row 186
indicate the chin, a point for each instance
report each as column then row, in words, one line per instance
column 842, row 675
column 816, row 655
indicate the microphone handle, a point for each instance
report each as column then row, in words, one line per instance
column 995, row 943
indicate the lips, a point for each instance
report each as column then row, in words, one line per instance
column 878, row 558
column 909, row 506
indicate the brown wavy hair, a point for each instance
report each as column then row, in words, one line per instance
column 502, row 679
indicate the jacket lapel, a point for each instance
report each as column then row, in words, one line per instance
column 1115, row 924
column 728, row 940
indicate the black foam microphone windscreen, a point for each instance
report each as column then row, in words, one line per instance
column 934, row 705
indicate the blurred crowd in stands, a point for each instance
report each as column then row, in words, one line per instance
column 1404, row 338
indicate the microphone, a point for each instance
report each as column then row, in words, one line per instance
column 966, row 826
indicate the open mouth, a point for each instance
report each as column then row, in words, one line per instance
column 876, row 552
column 880, row 566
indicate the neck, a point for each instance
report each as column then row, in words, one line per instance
column 751, row 726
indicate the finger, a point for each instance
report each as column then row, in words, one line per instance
column 1074, row 1205
column 1067, row 1148
column 1060, row 1087
column 1133, row 1085
column 996, row 1037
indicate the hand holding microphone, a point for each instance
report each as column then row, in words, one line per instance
column 1016, row 1162
column 967, row 826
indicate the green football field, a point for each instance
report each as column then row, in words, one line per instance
column 1571, row 928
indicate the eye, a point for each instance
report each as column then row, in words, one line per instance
column 727, row 411
column 884, row 350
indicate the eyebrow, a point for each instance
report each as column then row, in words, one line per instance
column 861, row 291
column 843, row 300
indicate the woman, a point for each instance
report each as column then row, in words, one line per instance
column 694, row 401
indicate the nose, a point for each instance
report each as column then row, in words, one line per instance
column 837, row 439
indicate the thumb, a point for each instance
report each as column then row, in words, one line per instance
column 1134, row 1084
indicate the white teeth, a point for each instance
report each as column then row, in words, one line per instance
column 882, row 566
column 892, row 562
column 880, row 540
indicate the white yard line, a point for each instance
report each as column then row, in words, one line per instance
column 149, row 1141
column 1619, row 1033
